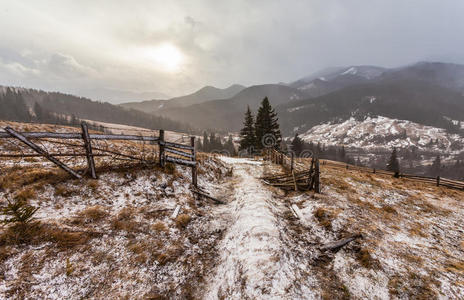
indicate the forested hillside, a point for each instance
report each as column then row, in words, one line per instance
column 18, row 104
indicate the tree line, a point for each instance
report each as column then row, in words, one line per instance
column 58, row 108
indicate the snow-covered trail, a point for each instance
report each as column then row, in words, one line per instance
column 254, row 262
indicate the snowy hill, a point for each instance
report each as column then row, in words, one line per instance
column 385, row 133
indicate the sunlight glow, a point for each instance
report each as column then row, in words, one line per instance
column 166, row 57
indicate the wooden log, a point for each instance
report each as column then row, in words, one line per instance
column 340, row 243
column 88, row 150
column 41, row 151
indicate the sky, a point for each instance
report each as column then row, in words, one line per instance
column 133, row 50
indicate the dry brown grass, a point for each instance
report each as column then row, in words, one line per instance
column 94, row 213
column 65, row 190
column 182, row 221
column 324, row 217
column 159, row 227
column 25, row 194
column 455, row 266
column 124, row 221
column 364, row 257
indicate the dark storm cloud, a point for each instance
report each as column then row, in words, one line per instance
column 87, row 46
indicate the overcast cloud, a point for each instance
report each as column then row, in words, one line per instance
column 111, row 49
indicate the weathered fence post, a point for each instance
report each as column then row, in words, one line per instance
column 374, row 170
column 194, row 158
column 88, row 150
column 161, row 147
column 438, row 180
column 291, row 162
column 317, row 187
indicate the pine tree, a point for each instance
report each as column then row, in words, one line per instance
column 229, row 146
column 267, row 127
column 247, row 134
column 393, row 164
column 435, row 167
column 297, row 145
column 206, row 146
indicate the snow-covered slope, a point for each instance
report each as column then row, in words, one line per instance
column 382, row 132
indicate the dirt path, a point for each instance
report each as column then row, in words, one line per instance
column 255, row 260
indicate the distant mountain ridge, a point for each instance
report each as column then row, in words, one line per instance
column 204, row 94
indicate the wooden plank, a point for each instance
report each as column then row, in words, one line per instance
column 175, row 145
column 41, row 151
column 297, row 211
column 179, row 161
column 88, row 150
column 78, row 136
column 181, row 153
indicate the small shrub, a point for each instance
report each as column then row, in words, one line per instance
column 18, row 212
column 182, row 221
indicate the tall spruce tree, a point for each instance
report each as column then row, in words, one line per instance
column 247, row 134
column 393, row 164
column 267, row 125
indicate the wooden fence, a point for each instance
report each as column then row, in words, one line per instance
column 168, row 151
column 438, row 181
column 299, row 177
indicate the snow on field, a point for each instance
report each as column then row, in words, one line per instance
column 254, row 263
column 383, row 132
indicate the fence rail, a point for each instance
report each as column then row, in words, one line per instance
column 299, row 176
column 438, row 181
column 180, row 153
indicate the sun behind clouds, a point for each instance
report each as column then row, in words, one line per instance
column 166, row 57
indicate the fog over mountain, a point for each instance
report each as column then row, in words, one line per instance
column 121, row 51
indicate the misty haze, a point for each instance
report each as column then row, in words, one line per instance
column 300, row 149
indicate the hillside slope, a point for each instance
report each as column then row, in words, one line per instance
column 116, row 237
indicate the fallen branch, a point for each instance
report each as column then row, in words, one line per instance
column 207, row 196
column 340, row 243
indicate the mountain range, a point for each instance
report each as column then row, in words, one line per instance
column 427, row 93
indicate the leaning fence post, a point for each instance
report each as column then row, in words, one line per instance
column 161, row 147
column 88, row 150
column 438, row 180
column 194, row 158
